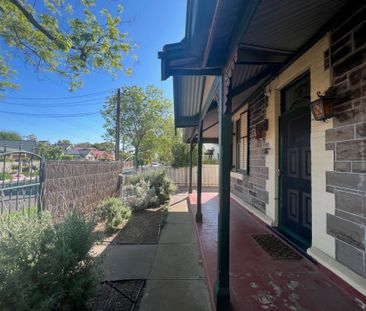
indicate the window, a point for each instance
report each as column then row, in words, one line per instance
column 296, row 94
column 241, row 143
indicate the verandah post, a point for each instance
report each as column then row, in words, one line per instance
column 190, row 166
column 222, row 288
column 199, row 176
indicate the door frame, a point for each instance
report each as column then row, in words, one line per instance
column 286, row 231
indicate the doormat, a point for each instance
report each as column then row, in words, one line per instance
column 274, row 247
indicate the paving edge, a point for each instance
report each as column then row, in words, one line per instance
column 210, row 289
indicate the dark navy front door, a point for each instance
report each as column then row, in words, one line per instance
column 295, row 166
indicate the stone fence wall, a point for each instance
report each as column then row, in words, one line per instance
column 79, row 185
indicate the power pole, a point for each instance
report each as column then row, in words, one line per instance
column 118, row 120
column 123, row 136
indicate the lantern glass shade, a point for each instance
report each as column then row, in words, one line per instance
column 322, row 108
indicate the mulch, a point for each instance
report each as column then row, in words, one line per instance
column 142, row 228
column 109, row 296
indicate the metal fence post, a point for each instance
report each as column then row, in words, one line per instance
column 40, row 201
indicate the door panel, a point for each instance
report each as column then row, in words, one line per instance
column 295, row 214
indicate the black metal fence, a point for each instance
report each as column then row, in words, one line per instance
column 21, row 178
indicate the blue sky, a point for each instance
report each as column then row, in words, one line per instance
column 153, row 24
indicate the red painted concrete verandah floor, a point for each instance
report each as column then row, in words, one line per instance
column 258, row 282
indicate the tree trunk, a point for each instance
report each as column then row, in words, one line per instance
column 136, row 158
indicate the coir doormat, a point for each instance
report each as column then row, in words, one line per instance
column 274, row 247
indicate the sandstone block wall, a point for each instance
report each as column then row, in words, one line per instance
column 347, row 139
column 252, row 187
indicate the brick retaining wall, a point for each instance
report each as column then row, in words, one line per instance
column 348, row 140
column 79, row 185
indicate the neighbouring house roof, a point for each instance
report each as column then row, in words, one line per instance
column 16, row 145
column 266, row 35
column 83, row 152
column 97, row 152
column 109, row 156
column 64, row 147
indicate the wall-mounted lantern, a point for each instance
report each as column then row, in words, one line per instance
column 260, row 129
column 322, row 108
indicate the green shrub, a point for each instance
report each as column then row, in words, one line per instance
column 5, row 176
column 157, row 180
column 20, row 214
column 140, row 196
column 67, row 157
column 47, row 266
column 113, row 212
column 210, row 161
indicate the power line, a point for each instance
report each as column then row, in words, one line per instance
column 50, row 115
column 48, row 105
column 75, row 122
column 55, row 103
column 59, row 98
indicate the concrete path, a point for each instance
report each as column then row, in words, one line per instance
column 172, row 268
column 128, row 262
column 176, row 280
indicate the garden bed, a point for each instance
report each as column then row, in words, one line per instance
column 143, row 227
column 117, row 296
column 35, row 246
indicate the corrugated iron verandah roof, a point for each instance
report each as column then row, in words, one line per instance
column 188, row 93
column 266, row 34
column 245, row 43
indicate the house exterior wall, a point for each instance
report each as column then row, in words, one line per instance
column 321, row 159
column 347, row 141
column 258, row 191
column 338, row 152
column 338, row 160
column 250, row 188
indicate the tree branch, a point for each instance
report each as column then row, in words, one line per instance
column 37, row 25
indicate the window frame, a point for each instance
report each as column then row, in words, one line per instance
column 302, row 78
column 238, row 143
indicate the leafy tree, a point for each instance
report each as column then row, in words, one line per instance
column 162, row 143
column 50, row 152
column 63, row 142
column 180, row 154
column 84, row 145
column 31, row 137
column 54, row 153
column 143, row 115
column 55, row 36
column 105, row 146
column 9, row 135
